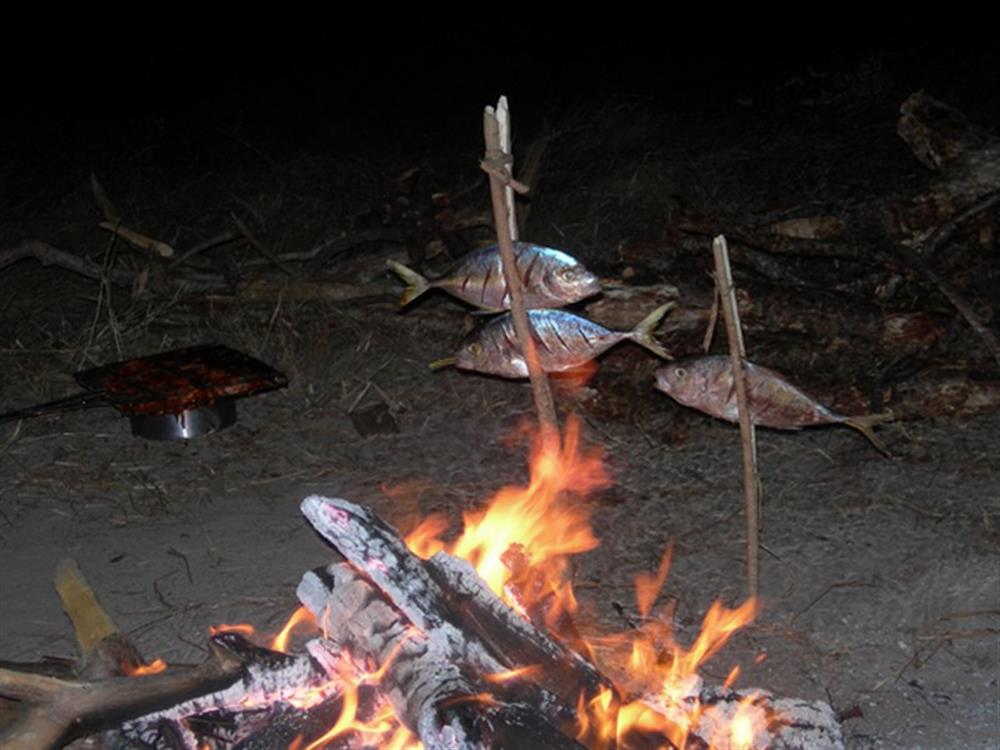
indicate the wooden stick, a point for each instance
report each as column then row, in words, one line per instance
column 260, row 246
column 748, row 437
column 139, row 240
column 60, row 710
column 48, row 255
column 503, row 127
column 497, row 159
column 105, row 650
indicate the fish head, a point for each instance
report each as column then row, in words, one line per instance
column 563, row 278
column 469, row 354
column 480, row 353
column 685, row 381
column 574, row 282
column 672, row 378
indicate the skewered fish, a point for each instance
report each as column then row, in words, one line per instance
column 550, row 277
column 564, row 341
column 706, row 384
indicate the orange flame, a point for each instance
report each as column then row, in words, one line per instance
column 512, row 674
column 351, row 678
column 539, row 520
column 244, row 629
column 300, row 617
column 154, row 667
column 520, row 544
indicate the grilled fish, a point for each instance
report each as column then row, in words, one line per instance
column 550, row 277
column 564, row 341
column 706, row 384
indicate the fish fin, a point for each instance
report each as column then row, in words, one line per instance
column 864, row 426
column 416, row 284
column 642, row 334
column 437, row 364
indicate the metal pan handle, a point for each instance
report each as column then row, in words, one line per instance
column 85, row 400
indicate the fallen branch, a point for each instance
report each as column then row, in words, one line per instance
column 260, row 246
column 60, row 710
column 136, row 239
column 48, row 255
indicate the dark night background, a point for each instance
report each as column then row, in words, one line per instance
column 296, row 76
column 333, row 143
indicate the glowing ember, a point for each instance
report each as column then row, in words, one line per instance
column 742, row 730
column 241, row 628
column 382, row 724
column 154, row 667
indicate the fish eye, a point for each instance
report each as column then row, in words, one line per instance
column 567, row 274
column 680, row 373
column 475, row 349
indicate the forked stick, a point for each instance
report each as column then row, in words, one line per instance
column 496, row 163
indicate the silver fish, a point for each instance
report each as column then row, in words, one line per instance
column 563, row 340
column 550, row 277
column 706, row 384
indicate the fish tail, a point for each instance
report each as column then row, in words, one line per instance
column 642, row 334
column 864, row 426
column 416, row 284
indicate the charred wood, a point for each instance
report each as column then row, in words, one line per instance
column 268, row 685
column 417, row 606
column 60, row 710
column 434, row 690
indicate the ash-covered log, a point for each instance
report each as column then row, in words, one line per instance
column 272, row 686
column 473, row 634
column 779, row 723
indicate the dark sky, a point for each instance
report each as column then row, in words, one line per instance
column 270, row 67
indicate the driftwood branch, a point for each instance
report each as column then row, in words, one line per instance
column 60, row 710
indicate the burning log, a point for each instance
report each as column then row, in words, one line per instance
column 59, row 709
column 269, row 685
column 465, row 633
column 791, row 723
column 426, row 676
column 442, row 638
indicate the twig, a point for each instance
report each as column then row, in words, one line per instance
column 943, row 233
column 107, row 207
column 219, row 239
column 713, row 319
column 138, row 240
column 965, row 310
column 748, row 438
column 498, row 159
column 260, row 246
column 48, row 255
column 919, row 255
column 498, row 169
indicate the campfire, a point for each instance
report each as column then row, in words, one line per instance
column 417, row 643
